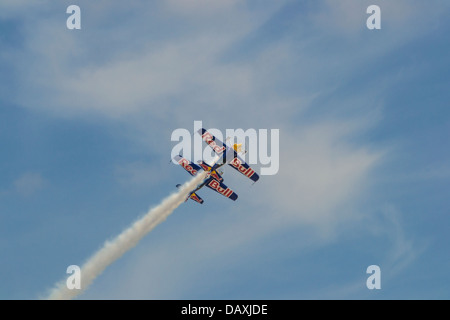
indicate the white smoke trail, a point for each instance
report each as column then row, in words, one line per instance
column 113, row 250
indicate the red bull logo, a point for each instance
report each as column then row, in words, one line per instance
column 238, row 165
column 205, row 167
column 208, row 138
column 185, row 164
column 216, row 176
column 216, row 186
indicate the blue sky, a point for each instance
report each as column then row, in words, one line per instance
column 86, row 118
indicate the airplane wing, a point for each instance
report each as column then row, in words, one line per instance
column 241, row 166
column 218, row 146
column 189, row 166
column 221, row 188
column 228, row 153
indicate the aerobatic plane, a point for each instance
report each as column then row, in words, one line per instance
column 224, row 155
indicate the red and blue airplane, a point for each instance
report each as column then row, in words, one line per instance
column 214, row 180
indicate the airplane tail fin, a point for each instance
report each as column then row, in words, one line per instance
column 196, row 198
column 192, row 196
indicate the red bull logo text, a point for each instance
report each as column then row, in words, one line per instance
column 185, row 164
column 208, row 138
column 216, row 186
column 238, row 165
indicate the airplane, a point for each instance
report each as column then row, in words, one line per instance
column 214, row 179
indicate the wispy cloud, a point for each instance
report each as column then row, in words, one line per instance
column 396, row 251
column 140, row 174
column 28, row 183
column 403, row 249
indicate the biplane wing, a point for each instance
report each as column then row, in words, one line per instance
column 221, row 188
column 187, row 165
column 241, row 166
column 229, row 155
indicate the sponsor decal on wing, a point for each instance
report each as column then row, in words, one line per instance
column 246, row 171
column 187, row 166
column 214, row 184
column 210, row 140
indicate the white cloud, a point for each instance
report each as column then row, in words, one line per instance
column 200, row 7
column 349, row 17
column 28, row 183
column 10, row 8
column 321, row 175
column 132, row 82
column 403, row 249
column 139, row 174
column 185, row 73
